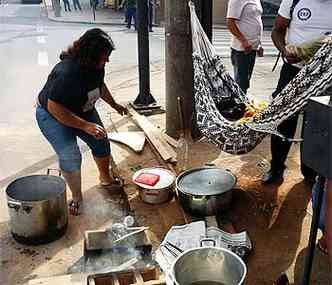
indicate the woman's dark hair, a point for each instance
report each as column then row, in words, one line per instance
column 89, row 48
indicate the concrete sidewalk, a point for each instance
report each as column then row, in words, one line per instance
column 103, row 15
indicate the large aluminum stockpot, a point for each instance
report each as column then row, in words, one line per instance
column 205, row 191
column 208, row 265
column 38, row 208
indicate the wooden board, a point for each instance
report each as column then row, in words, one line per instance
column 69, row 279
column 172, row 141
column 155, row 136
column 148, row 276
column 134, row 140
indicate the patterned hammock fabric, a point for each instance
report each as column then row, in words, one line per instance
column 213, row 84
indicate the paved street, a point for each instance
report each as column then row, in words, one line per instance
column 222, row 39
column 29, row 47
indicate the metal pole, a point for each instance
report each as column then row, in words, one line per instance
column 313, row 233
column 179, row 69
column 144, row 97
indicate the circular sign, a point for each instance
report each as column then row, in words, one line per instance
column 304, row 14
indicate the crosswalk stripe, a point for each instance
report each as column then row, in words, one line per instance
column 221, row 40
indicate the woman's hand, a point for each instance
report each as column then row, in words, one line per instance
column 120, row 109
column 95, row 130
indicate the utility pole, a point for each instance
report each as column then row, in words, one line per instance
column 179, row 69
column 144, row 99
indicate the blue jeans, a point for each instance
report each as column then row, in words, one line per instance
column 243, row 64
column 131, row 13
column 315, row 189
column 63, row 139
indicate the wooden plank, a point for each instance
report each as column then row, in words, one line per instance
column 139, row 278
column 134, row 140
column 173, row 142
column 146, row 276
column 154, row 135
column 69, row 279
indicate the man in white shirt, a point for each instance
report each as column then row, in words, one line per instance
column 244, row 21
column 307, row 20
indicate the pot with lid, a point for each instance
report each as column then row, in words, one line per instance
column 161, row 190
column 205, row 191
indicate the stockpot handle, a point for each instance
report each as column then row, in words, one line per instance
column 48, row 171
column 207, row 239
column 14, row 205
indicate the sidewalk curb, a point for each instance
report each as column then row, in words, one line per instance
column 84, row 22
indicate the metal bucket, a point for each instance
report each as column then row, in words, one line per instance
column 37, row 207
column 208, row 266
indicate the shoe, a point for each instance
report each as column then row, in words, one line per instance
column 322, row 248
column 282, row 280
column 273, row 176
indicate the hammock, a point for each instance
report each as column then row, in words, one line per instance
column 213, row 85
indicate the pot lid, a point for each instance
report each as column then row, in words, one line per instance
column 166, row 177
column 206, row 181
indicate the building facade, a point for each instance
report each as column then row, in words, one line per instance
column 270, row 8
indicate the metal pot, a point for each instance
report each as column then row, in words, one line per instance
column 38, row 208
column 160, row 192
column 205, row 191
column 208, row 265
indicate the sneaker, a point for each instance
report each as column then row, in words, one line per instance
column 273, row 176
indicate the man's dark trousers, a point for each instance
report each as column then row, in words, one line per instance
column 280, row 148
column 243, row 64
column 131, row 15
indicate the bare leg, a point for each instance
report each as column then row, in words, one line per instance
column 74, row 181
column 103, row 164
column 328, row 221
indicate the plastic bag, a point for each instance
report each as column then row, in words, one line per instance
column 307, row 50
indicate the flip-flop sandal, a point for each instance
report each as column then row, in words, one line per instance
column 115, row 187
column 282, row 280
column 75, row 207
column 322, row 249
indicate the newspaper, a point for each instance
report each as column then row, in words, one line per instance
column 196, row 234
column 184, row 237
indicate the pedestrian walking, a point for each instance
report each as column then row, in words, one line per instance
column 131, row 11
column 244, row 21
column 67, row 5
column 297, row 22
column 77, row 5
column 66, row 111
